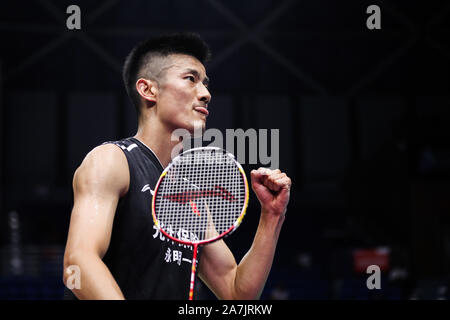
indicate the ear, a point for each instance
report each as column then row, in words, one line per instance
column 147, row 89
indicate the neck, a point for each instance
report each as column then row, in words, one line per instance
column 158, row 138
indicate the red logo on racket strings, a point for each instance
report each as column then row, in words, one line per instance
column 194, row 208
column 190, row 196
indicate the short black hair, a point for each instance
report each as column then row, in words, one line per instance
column 182, row 43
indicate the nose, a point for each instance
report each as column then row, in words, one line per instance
column 203, row 94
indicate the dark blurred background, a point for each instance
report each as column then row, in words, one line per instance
column 364, row 131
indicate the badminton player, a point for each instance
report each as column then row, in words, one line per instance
column 112, row 238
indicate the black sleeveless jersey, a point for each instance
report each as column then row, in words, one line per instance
column 145, row 263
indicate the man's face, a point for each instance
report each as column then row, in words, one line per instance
column 183, row 97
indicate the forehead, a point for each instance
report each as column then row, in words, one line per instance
column 183, row 62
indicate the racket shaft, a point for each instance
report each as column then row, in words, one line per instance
column 194, row 262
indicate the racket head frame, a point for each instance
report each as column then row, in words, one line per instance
column 226, row 232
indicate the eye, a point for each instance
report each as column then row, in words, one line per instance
column 191, row 78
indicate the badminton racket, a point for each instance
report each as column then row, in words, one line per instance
column 200, row 197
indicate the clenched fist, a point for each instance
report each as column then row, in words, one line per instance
column 272, row 187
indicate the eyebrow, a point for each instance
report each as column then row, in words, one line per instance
column 197, row 75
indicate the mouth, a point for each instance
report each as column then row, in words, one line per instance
column 202, row 110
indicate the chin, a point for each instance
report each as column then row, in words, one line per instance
column 197, row 127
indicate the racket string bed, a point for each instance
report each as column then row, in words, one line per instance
column 198, row 188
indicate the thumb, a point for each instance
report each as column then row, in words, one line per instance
column 257, row 177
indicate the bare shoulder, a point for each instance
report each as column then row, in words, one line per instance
column 104, row 167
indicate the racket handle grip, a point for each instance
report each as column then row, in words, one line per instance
column 194, row 263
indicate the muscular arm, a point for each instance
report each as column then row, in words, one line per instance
column 98, row 184
column 218, row 268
